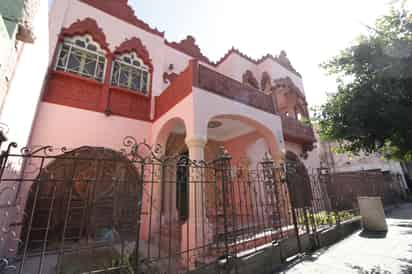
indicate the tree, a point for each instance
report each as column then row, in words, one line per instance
column 372, row 109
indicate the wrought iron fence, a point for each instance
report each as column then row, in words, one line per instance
column 96, row 210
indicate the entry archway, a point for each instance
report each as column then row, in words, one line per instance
column 239, row 133
column 88, row 195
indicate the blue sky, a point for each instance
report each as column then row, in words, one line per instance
column 309, row 31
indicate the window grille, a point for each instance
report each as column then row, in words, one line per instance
column 81, row 55
column 130, row 72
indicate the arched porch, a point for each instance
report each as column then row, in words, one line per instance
column 198, row 130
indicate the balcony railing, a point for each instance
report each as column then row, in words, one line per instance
column 295, row 130
column 222, row 85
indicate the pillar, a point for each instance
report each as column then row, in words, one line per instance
column 195, row 229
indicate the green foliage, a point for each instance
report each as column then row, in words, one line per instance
column 371, row 110
column 328, row 217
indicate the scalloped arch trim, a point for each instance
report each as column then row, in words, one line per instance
column 121, row 10
column 87, row 26
column 136, row 45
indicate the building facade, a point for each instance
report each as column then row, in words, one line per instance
column 109, row 75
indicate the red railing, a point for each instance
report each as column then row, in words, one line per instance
column 295, row 130
column 222, row 85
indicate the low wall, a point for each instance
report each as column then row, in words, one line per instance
column 273, row 257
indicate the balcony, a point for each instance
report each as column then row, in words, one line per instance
column 296, row 131
column 224, row 86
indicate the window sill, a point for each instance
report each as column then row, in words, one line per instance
column 144, row 96
column 76, row 76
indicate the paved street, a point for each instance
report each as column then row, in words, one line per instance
column 366, row 254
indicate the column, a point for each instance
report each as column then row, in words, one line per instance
column 195, row 229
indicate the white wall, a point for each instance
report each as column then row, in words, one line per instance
column 235, row 66
column 277, row 71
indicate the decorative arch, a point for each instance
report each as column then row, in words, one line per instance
column 265, row 80
column 290, row 97
column 249, row 79
column 165, row 130
column 265, row 132
column 135, row 45
column 87, row 26
column 101, row 181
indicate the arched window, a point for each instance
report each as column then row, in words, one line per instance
column 130, row 72
column 81, row 55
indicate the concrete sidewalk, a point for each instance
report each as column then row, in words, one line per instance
column 366, row 253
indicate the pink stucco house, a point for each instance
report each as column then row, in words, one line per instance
column 104, row 84
column 111, row 75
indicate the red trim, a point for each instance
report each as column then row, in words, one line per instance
column 87, row 26
column 121, row 10
column 136, row 93
column 189, row 47
column 76, row 77
column 169, row 77
column 135, row 45
column 179, row 89
column 238, row 52
column 278, row 59
column 72, row 90
column 126, row 103
column 106, row 88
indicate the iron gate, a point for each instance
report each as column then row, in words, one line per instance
column 96, row 210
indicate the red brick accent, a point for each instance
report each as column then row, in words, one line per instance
column 71, row 90
column 222, row 85
column 177, row 90
column 169, row 77
column 124, row 102
column 296, row 132
column 189, row 47
column 87, row 26
column 121, row 10
column 74, row 91
column 135, row 45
